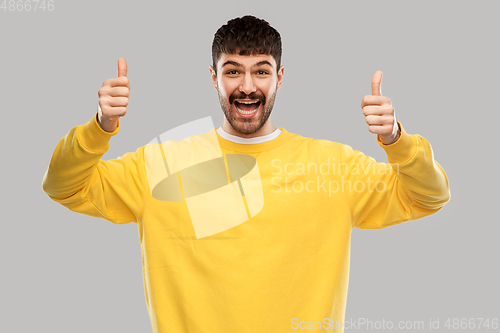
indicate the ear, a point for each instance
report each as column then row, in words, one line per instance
column 281, row 72
column 214, row 76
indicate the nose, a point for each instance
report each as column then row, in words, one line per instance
column 247, row 86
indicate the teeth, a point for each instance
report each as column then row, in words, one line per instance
column 246, row 112
column 247, row 102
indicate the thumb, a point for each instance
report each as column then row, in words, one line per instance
column 376, row 83
column 122, row 67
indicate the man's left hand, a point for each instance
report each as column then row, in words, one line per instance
column 379, row 113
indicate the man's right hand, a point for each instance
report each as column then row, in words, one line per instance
column 113, row 98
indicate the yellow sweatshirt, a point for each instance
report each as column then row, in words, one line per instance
column 246, row 238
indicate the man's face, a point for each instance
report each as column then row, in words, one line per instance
column 247, row 87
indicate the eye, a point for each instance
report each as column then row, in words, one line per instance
column 233, row 72
column 261, row 72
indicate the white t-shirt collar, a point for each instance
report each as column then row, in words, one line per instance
column 248, row 141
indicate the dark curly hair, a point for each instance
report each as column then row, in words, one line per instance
column 248, row 35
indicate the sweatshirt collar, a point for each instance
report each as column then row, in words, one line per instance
column 248, row 141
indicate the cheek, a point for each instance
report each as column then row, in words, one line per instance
column 225, row 89
column 269, row 85
column 268, row 89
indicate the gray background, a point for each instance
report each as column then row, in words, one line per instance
column 66, row 272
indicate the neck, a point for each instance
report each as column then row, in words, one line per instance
column 268, row 128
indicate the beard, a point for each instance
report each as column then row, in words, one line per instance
column 247, row 125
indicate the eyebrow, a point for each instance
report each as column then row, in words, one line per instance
column 237, row 64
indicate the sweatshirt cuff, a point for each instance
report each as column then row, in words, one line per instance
column 401, row 150
column 93, row 137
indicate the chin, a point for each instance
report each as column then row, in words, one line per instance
column 247, row 126
column 246, row 129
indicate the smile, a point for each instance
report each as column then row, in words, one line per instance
column 247, row 107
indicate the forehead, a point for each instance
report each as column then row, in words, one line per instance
column 247, row 61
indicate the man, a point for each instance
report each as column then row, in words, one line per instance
column 284, row 264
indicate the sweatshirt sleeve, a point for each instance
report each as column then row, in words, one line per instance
column 78, row 179
column 411, row 186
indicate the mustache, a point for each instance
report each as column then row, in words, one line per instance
column 253, row 95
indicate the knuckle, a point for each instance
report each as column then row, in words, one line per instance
column 105, row 109
column 124, row 81
column 102, row 92
column 104, row 101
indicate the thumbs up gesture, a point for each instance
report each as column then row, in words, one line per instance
column 113, row 98
column 379, row 113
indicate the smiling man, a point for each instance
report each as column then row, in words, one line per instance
column 247, row 87
column 250, row 75
column 284, row 264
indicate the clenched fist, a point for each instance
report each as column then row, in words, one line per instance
column 379, row 113
column 113, row 98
